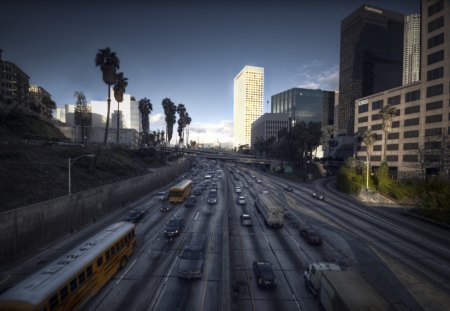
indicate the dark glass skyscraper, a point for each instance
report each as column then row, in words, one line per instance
column 371, row 58
column 304, row 105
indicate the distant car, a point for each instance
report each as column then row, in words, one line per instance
column 245, row 185
column 246, row 220
column 197, row 191
column 238, row 190
column 241, row 200
column 212, row 200
column 265, row 277
column 311, row 235
column 258, row 181
column 288, row 188
column 162, row 195
column 214, row 186
column 318, row 196
column 134, row 216
column 174, row 227
column 166, row 208
column 190, row 201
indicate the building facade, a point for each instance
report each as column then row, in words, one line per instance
column 418, row 142
column 247, row 103
column 268, row 125
column 36, row 95
column 304, row 105
column 371, row 57
column 14, row 85
column 411, row 49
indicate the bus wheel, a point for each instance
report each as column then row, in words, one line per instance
column 123, row 262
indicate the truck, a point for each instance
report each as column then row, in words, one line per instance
column 344, row 290
column 270, row 208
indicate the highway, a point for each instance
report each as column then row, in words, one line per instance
column 405, row 259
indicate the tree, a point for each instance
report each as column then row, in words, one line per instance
column 193, row 143
column 169, row 111
column 82, row 115
column 387, row 113
column 49, row 105
column 145, row 108
column 369, row 139
column 188, row 122
column 181, row 109
column 109, row 63
column 119, row 90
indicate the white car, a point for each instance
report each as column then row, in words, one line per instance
column 241, row 200
column 238, row 190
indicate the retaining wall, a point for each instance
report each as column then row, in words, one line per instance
column 29, row 228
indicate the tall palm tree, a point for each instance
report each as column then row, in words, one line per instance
column 109, row 63
column 119, row 90
column 145, row 108
column 369, row 139
column 387, row 113
column 169, row 111
column 188, row 122
column 181, row 109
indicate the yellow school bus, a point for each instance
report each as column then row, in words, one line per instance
column 179, row 192
column 68, row 282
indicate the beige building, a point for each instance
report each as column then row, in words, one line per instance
column 411, row 49
column 268, row 125
column 419, row 138
column 248, row 103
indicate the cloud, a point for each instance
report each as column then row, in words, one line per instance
column 314, row 76
column 221, row 131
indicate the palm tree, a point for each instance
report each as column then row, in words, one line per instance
column 387, row 113
column 169, row 110
column 119, row 90
column 188, row 122
column 181, row 109
column 145, row 108
column 369, row 139
column 109, row 63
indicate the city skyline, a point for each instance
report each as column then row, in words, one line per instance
column 187, row 52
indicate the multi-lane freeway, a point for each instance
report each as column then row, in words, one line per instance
column 405, row 259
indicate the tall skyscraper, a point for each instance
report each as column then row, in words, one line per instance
column 370, row 58
column 248, row 102
column 411, row 49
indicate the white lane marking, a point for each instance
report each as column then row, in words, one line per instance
column 196, row 216
column 126, row 271
column 266, row 237
column 294, row 241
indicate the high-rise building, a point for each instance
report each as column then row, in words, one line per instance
column 14, row 85
column 248, row 102
column 411, row 49
column 305, row 105
column 370, row 58
column 268, row 125
column 418, row 140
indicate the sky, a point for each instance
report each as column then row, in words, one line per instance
column 189, row 51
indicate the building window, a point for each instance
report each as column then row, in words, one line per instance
column 433, row 119
column 433, row 132
column 432, row 158
column 435, row 74
column 414, row 95
column 377, row 127
column 435, row 57
column 411, row 122
column 432, row 145
column 435, row 90
column 394, row 100
column 392, row 147
column 393, row 135
column 436, row 24
column 363, row 108
column 362, row 129
column 392, row 158
column 375, row 158
column 434, row 8
column 363, row 119
column 436, row 40
column 410, row 158
column 377, row 104
column 376, row 117
column 395, row 124
column 410, row 134
column 412, row 109
column 377, row 148
column 434, row 105
column 410, row 146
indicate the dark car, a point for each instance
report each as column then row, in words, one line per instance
column 212, row 199
column 288, row 188
column 311, row 235
column 197, row 191
column 265, row 277
column 246, row 220
column 190, row 201
column 166, row 207
column 318, row 196
column 174, row 227
column 134, row 216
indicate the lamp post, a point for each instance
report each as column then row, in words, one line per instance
column 71, row 162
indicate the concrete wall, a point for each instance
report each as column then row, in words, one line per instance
column 26, row 229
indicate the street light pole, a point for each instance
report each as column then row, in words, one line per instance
column 71, row 162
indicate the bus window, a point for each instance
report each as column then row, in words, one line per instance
column 53, row 302
column 99, row 261
column 73, row 285
column 81, row 278
column 108, row 255
column 63, row 293
column 89, row 271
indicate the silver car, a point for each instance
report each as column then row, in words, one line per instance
column 241, row 200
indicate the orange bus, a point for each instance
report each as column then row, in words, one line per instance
column 68, row 282
column 179, row 192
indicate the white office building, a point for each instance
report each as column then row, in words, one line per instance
column 411, row 49
column 268, row 125
column 248, row 103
